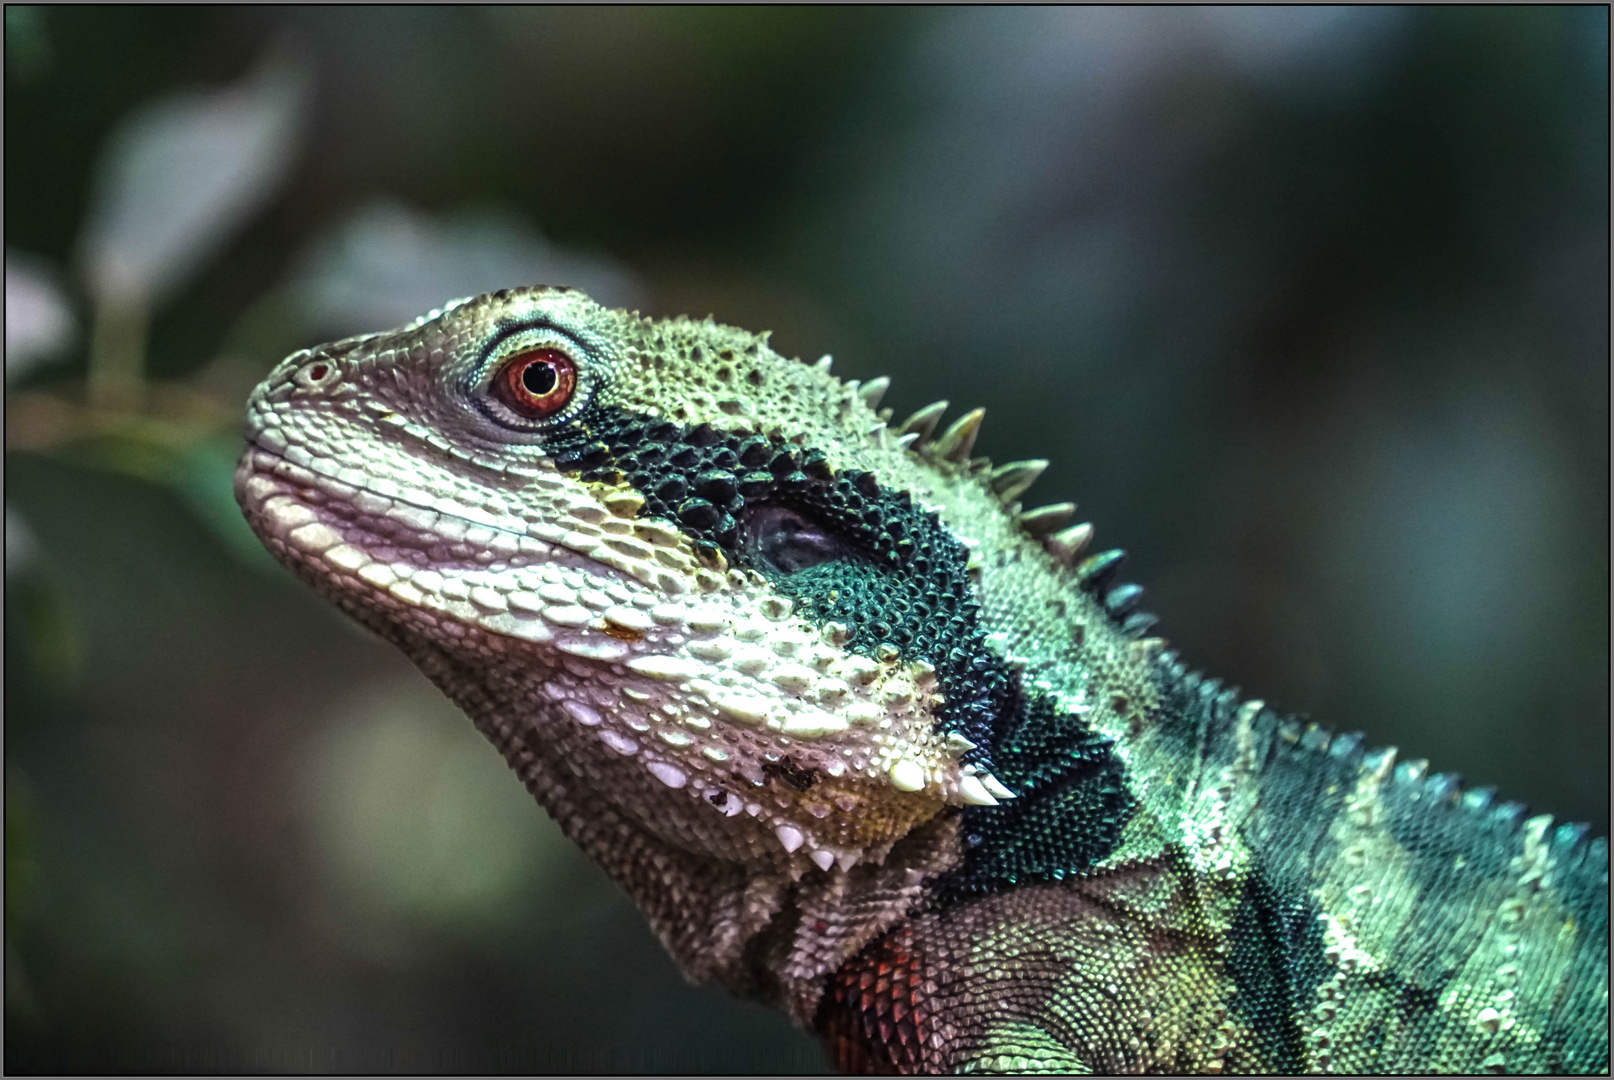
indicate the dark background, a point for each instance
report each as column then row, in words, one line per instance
column 1308, row 307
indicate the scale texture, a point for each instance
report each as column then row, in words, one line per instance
column 868, row 741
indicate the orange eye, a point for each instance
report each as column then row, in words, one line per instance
column 536, row 384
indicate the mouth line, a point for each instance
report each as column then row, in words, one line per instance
column 381, row 625
column 260, row 448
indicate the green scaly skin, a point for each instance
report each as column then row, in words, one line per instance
column 867, row 742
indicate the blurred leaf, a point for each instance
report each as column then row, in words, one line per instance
column 180, row 175
column 264, row 333
column 24, row 884
column 48, row 630
column 133, row 445
column 21, row 544
column 1292, row 47
column 419, row 821
column 387, row 264
column 185, row 440
column 51, row 635
column 39, row 320
column 22, row 855
column 28, row 50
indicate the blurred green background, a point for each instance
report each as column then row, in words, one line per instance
column 1308, row 307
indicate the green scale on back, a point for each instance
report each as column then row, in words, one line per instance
column 867, row 741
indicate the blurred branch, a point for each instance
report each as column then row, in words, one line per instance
column 117, row 354
column 174, row 418
column 184, row 436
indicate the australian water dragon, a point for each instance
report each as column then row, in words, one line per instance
column 868, row 741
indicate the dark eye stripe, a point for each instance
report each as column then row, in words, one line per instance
column 900, row 581
column 899, row 578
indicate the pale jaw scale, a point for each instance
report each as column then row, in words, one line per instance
column 907, row 775
column 743, row 707
column 972, row 791
column 607, row 650
column 671, row 775
column 665, row 668
column 618, row 742
column 812, row 724
column 628, row 618
column 313, row 538
column 569, row 615
column 285, row 515
column 525, row 603
column 789, row 836
column 582, row 713
column 556, row 593
column 995, row 786
column 346, row 557
column 864, row 712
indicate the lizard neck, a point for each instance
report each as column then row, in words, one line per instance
column 761, row 931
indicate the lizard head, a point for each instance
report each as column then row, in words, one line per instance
column 702, row 581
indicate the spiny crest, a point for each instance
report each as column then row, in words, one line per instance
column 1047, row 524
column 923, row 422
column 1045, row 520
column 1010, row 481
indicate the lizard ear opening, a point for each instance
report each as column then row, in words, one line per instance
column 785, row 542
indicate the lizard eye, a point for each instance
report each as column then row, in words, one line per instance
column 788, row 542
column 536, row 384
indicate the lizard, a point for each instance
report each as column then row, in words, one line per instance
column 869, row 741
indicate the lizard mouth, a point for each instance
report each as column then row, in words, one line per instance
column 314, row 487
column 409, row 560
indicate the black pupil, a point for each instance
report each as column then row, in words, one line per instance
column 538, row 378
column 788, row 542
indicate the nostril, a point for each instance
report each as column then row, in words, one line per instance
column 317, row 375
